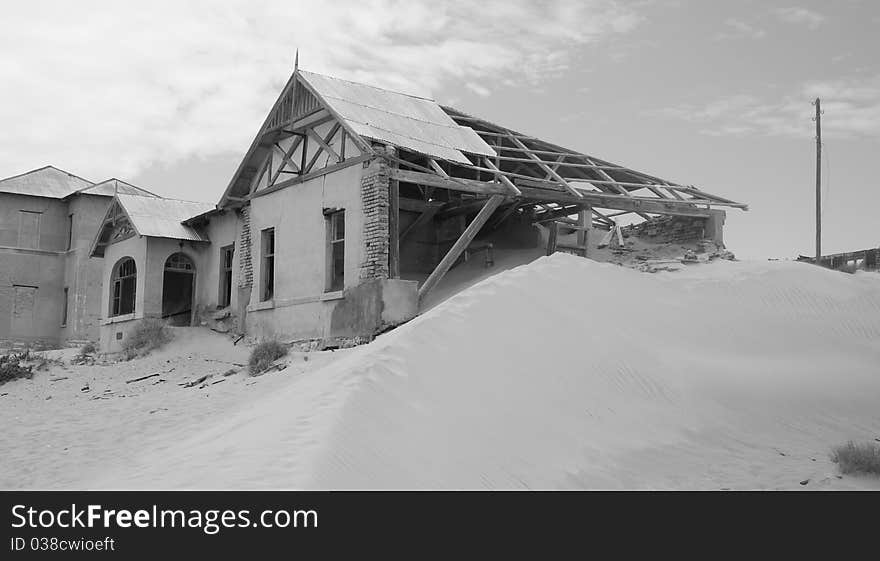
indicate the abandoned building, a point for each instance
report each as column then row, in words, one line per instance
column 849, row 262
column 50, row 291
column 348, row 208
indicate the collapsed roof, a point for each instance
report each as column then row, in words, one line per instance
column 440, row 147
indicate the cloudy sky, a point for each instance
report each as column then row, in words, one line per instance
column 168, row 95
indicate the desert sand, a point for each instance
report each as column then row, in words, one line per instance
column 563, row 373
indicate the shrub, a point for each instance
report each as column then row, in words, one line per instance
column 857, row 458
column 88, row 349
column 11, row 369
column 264, row 354
column 149, row 334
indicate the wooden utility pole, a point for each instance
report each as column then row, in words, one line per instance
column 818, row 120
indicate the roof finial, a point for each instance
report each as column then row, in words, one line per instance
column 296, row 62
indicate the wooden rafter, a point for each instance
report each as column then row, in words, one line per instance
column 460, row 244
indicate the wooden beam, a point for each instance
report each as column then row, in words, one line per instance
column 504, row 179
column 325, row 143
column 583, row 236
column 322, row 144
column 306, row 177
column 426, row 216
column 601, row 200
column 285, row 159
column 551, row 239
column 460, row 244
column 547, row 169
column 463, row 185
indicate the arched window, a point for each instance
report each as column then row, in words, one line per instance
column 123, row 287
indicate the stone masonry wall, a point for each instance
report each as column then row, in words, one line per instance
column 669, row 229
column 375, row 199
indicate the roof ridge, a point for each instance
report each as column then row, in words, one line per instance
column 120, row 181
column 48, row 166
column 164, row 198
column 367, row 85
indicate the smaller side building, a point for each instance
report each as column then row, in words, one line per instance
column 50, row 290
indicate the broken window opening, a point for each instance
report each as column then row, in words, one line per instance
column 124, row 287
column 225, row 297
column 267, row 274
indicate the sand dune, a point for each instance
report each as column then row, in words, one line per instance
column 567, row 373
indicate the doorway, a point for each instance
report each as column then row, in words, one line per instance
column 177, row 290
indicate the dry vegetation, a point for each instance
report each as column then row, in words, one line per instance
column 264, row 354
column 855, row 458
column 150, row 334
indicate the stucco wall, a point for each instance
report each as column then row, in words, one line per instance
column 222, row 230
column 301, row 306
column 41, row 267
column 136, row 248
column 83, row 274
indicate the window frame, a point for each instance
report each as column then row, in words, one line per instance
column 39, row 217
column 117, row 286
column 227, row 258
column 66, row 304
column 267, row 264
column 335, row 277
column 69, row 232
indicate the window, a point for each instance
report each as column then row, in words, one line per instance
column 226, row 254
column 123, row 287
column 64, row 311
column 69, row 231
column 29, row 229
column 336, row 250
column 268, row 270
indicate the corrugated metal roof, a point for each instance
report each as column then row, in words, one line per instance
column 113, row 186
column 161, row 218
column 407, row 121
column 48, row 182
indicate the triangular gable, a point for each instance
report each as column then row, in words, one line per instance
column 115, row 227
column 287, row 144
column 319, row 121
column 148, row 216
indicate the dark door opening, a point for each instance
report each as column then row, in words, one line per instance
column 177, row 290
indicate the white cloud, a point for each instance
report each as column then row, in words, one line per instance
column 851, row 106
column 106, row 88
column 478, row 89
column 738, row 28
column 800, row 16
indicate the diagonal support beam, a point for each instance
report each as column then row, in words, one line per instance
column 504, row 179
column 547, row 169
column 421, row 220
column 460, row 244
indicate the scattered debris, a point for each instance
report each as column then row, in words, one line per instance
column 149, row 376
column 195, row 382
column 142, row 378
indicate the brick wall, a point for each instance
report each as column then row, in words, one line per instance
column 245, row 262
column 375, row 199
